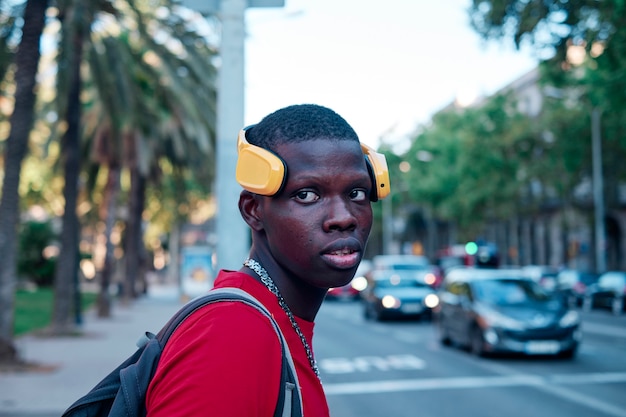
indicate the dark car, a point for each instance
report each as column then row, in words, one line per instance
column 419, row 263
column 398, row 294
column 572, row 284
column 497, row 310
column 608, row 292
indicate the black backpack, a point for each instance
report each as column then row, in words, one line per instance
column 123, row 391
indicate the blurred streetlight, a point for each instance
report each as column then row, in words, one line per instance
column 576, row 55
column 598, row 190
column 597, row 180
column 387, row 206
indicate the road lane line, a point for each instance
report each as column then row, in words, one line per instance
column 549, row 384
column 585, row 400
column 424, row 384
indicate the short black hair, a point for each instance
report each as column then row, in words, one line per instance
column 299, row 123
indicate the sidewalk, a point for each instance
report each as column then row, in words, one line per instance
column 78, row 363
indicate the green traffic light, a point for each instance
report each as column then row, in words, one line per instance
column 471, row 248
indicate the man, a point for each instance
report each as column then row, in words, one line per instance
column 308, row 183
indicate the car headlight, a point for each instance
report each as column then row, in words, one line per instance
column 431, row 301
column 389, row 301
column 571, row 318
column 359, row 283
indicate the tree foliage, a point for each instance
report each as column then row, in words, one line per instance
column 146, row 99
column 470, row 165
column 33, row 263
column 491, row 162
column 549, row 26
column 583, row 46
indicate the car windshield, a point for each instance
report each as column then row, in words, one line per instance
column 401, row 263
column 395, row 281
column 408, row 267
column 508, row 291
column 612, row 280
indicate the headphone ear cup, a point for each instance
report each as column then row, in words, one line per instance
column 259, row 170
column 370, row 171
column 379, row 173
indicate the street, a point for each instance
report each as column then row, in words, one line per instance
column 398, row 368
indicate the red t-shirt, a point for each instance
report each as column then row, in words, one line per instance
column 225, row 360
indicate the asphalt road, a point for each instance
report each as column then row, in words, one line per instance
column 398, row 368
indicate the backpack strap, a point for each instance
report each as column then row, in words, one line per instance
column 290, row 398
column 123, row 391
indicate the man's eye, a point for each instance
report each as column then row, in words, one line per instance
column 306, row 196
column 358, row 195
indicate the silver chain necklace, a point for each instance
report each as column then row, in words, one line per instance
column 269, row 283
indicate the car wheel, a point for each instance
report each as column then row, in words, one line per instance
column 428, row 316
column 617, row 305
column 477, row 342
column 572, row 302
column 378, row 315
column 367, row 312
column 569, row 353
column 444, row 338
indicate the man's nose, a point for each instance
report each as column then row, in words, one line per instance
column 339, row 215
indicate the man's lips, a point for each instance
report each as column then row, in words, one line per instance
column 343, row 255
column 343, row 251
column 342, row 260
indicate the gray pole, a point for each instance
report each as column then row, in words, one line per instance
column 233, row 238
column 598, row 190
column 232, row 232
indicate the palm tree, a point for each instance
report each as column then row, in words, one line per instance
column 73, row 18
column 165, row 122
column 76, row 17
column 148, row 109
column 26, row 61
column 21, row 120
column 8, row 28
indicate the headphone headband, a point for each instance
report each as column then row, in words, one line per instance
column 261, row 171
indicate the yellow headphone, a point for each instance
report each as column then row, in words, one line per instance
column 263, row 172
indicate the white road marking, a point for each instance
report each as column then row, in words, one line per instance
column 555, row 385
column 371, row 363
column 547, row 384
column 424, row 384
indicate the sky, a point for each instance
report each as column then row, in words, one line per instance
column 386, row 67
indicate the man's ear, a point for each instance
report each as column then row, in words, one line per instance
column 249, row 207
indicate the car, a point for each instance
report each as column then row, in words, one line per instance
column 352, row 290
column 607, row 293
column 408, row 263
column 572, row 284
column 399, row 261
column 544, row 275
column 491, row 311
column 398, row 294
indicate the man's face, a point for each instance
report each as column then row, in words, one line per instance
column 318, row 225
